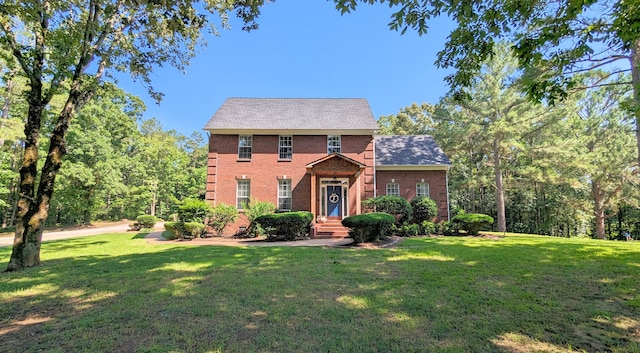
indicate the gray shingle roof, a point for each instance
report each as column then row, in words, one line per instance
column 409, row 151
column 293, row 114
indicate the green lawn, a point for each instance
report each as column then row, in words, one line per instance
column 116, row 293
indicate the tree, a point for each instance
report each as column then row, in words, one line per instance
column 69, row 48
column 605, row 145
column 554, row 41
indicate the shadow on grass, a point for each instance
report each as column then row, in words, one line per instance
column 114, row 293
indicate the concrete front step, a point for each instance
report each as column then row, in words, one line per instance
column 331, row 229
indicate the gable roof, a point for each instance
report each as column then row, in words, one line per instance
column 409, row 151
column 335, row 155
column 294, row 114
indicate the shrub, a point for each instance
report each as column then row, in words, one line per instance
column 448, row 228
column 185, row 230
column 220, row 217
column 288, row 225
column 393, row 205
column 176, row 228
column 368, row 227
column 193, row 229
column 472, row 222
column 193, row 210
column 146, row 221
column 408, row 230
column 424, row 209
column 427, row 228
column 255, row 209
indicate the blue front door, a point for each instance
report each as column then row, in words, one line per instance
column 334, row 201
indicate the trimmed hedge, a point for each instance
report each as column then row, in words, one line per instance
column 286, row 226
column 185, row 230
column 393, row 205
column 472, row 222
column 424, row 209
column 146, row 221
column 369, row 227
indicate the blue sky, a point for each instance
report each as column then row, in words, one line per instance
column 303, row 49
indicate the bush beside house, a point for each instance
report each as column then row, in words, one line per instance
column 369, row 227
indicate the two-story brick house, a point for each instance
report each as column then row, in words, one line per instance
column 317, row 155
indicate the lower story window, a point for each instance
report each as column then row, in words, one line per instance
column 393, row 189
column 284, row 195
column 422, row 189
column 242, row 194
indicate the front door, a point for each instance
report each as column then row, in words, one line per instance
column 334, row 201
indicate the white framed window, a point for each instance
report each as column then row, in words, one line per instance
column 243, row 192
column 285, row 147
column 393, row 189
column 422, row 189
column 334, row 144
column 284, row 195
column 245, row 142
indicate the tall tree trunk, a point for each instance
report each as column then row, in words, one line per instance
column 26, row 243
column 598, row 210
column 635, row 78
column 33, row 209
column 502, row 222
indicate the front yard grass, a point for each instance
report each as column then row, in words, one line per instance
column 116, row 293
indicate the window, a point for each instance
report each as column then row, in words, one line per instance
column 422, row 189
column 393, row 189
column 284, row 195
column 244, row 146
column 242, row 193
column 333, row 144
column 285, row 147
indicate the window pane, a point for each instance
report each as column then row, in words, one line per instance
column 244, row 146
column 393, row 189
column 422, row 189
column 284, row 195
column 243, row 193
column 285, row 147
column 333, row 144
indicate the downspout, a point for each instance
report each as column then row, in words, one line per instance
column 447, row 184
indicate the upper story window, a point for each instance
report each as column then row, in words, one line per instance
column 422, row 189
column 285, row 147
column 393, row 189
column 244, row 146
column 334, row 144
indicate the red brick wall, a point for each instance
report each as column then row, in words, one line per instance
column 407, row 180
column 264, row 169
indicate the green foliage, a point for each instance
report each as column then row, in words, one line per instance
column 194, row 210
column 193, row 229
column 447, row 228
column 427, row 228
column 472, row 222
column 147, row 221
column 221, row 215
column 254, row 209
column 185, row 230
column 369, row 227
column 406, row 230
column 424, row 209
column 286, row 226
column 393, row 205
